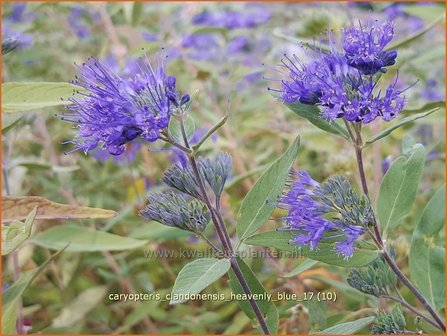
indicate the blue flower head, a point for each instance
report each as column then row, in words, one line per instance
column 113, row 110
column 342, row 84
column 365, row 47
column 318, row 212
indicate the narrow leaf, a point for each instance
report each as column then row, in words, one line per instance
column 196, row 276
column 427, row 256
column 325, row 252
column 398, row 124
column 312, row 113
column 77, row 310
column 11, row 296
column 83, row 239
column 348, row 328
column 399, row 187
column 26, row 96
column 18, row 208
column 255, row 208
column 412, row 38
column 16, row 233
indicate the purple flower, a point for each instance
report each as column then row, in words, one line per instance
column 252, row 16
column 78, row 21
column 431, row 91
column 386, row 164
column 318, row 212
column 238, row 44
column 116, row 110
column 332, row 81
column 202, row 46
column 23, row 40
column 364, row 47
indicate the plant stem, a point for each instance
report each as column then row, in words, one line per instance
column 410, row 308
column 413, row 289
column 222, row 232
column 15, row 264
column 377, row 237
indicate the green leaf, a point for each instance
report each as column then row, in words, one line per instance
column 255, row 209
column 312, row 113
column 303, row 266
column 325, row 252
column 12, row 295
column 427, row 257
column 16, row 233
column 398, row 124
column 348, row 328
column 416, row 36
column 77, row 309
column 26, row 96
column 267, row 307
column 18, row 208
column 175, row 131
column 426, row 107
column 399, row 187
column 196, row 276
column 9, row 127
column 84, row 240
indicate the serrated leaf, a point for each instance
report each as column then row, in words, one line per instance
column 427, row 256
column 398, row 124
column 399, row 187
column 267, row 307
column 18, row 208
column 198, row 275
column 16, row 233
column 312, row 113
column 255, row 209
column 12, row 295
column 83, row 239
column 324, row 253
column 26, row 96
column 347, row 328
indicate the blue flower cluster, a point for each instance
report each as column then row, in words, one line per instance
column 329, row 211
column 113, row 111
column 344, row 83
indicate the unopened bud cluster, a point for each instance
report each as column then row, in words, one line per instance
column 171, row 209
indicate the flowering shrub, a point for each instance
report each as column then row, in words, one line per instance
column 315, row 208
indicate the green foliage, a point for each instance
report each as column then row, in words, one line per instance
column 398, row 124
column 84, row 239
column 325, row 253
column 11, row 297
column 312, row 113
column 255, row 208
column 198, row 275
column 427, row 254
column 303, row 266
column 175, row 130
column 24, row 97
column 347, row 328
column 399, row 187
column 267, row 307
column 16, row 233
